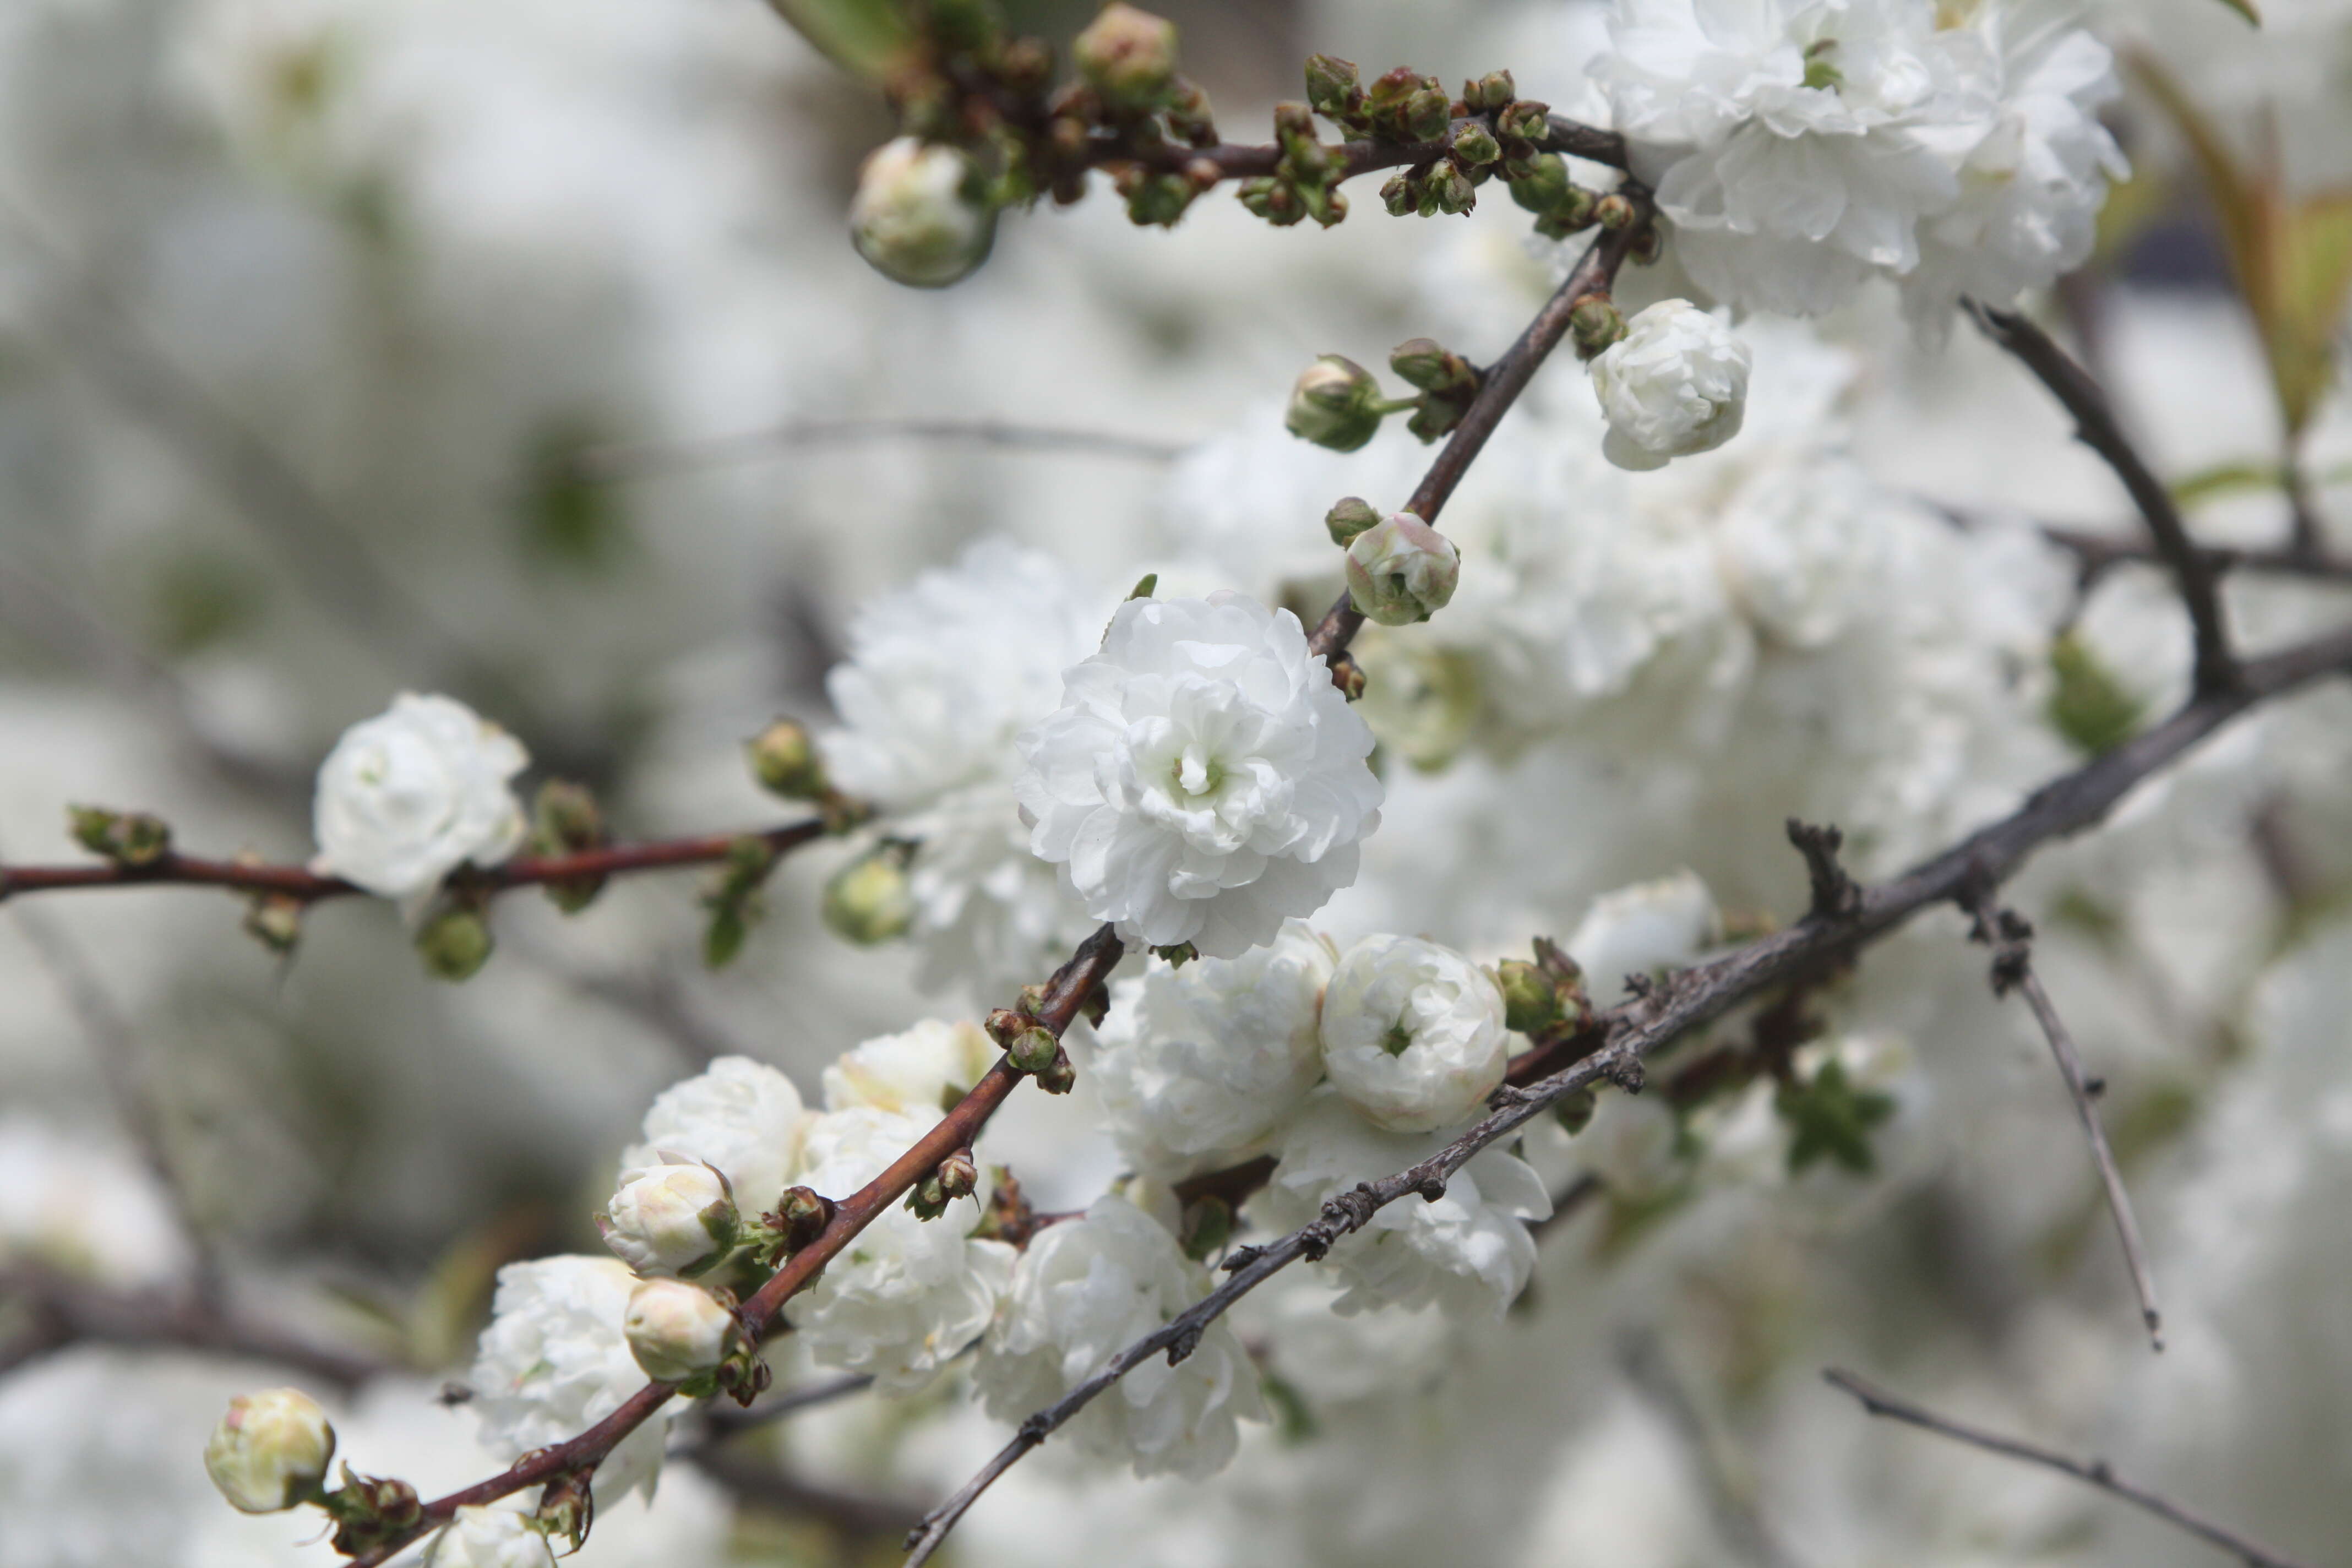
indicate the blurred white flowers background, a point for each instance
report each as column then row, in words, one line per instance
column 517, row 359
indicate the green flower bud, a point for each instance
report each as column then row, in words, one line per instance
column 1426, row 363
column 1335, row 404
column 1450, row 191
column 1332, row 90
column 275, row 921
column 1426, row 115
column 1614, row 211
column 1349, row 517
column 1128, row 55
column 1397, row 194
column 784, row 760
column 131, row 839
column 1544, row 186
column 921, row 216
column 1526, row 120
column 870, row 901
column 1574, row 1109
column 1530, row 1002
column 1391, row 88
column 1475, row 145
column 1597, row 322
column 1489, row 92
column 455, row 943
column 1034, row 1049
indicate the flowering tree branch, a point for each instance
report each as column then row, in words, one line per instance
column 2012, row 939
column 2097, row 427
column 298, row 882
column 1660, row 1013
column 1876, row 1400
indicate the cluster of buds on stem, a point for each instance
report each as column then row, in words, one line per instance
column 1306, row 179
column 1447, row 384
column 565, row 820
column 1132, row 112
column 271, row 1452
column 1033, row 1049
column 799, row 1218
column 955, row 1178
column 1542, row 185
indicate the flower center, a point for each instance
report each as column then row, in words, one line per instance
column 1194, row 774
column 1398, row 1040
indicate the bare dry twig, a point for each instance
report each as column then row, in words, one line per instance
column 2091, row 1473
column 2010, row 936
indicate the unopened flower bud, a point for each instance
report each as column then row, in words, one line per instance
column 1391, row 87
column 959, row 1177
column 566, row 821
column 567, row 1507
column 870, row 901
column 1349, row 517
column 1614, row 211
column 1597, row 322
column 1530, row 1002
column 921, row 216
column 455, row 943
column 1034, row 1049
column 801, row 1217
column 1348, row 676
column 1489, row 92
column 1128, row 55
column 270, row 1452
column 675, row 1217
column 1527, row 120
column 490, row 1538
column 1058, row 1076
column 275, row 921
column 1397, row 194
column 1156, row 198
column 1428, row 364
column 1574, row 1109
column 1401, row 570
column 1449, row 190
column 1675, row 384
column 784, row 760
column 1332, row 90
column 1335, row 404
column 1475, row 145
column 1005, row 1026
column 1426, row 115
column 126, row 837
column 1544, row 186
column 676, row 1330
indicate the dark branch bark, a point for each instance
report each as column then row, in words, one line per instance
column 764, row 1484
column 1686, row 1000
column 2095, row 427
column 67, row 1310
column 301, row 882
column 2092, row 1472
column 635, row 459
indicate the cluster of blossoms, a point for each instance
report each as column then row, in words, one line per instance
column 1801, row 147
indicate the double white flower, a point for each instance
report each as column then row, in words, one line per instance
column 1202, row 780
column 1675, row 384
column 408, row 796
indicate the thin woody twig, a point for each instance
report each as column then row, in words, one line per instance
column 301, row 882
column 1686, row 1000
column 1876, row 1400
column 1065, row 995
column 2011, row 937
column 2097, row 427
column 72, row 1311
column 638, row 460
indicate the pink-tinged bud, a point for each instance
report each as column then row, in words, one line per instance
column 270, row 1452
column 1401, row 570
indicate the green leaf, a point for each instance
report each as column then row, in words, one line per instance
column 2089, row 705
column 2245, row 8
column 2226, row 479
column 868, row 38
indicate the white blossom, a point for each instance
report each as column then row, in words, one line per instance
column 81, row 1204
column 1202, row 779
column 1642, row 928
column 271, row 1450
column 554, row 1360
column 489, row 1538
column 1800, row 146
column 1675, row 384
column 675, row 1217
column 1084, row 1291
column 676, row 1329
column 2031, row 189
column 1468, row 1251
column 742, row 1117
column 1412, row 1032
column 407, row 796
column 941, row 676
column 908, row 1293
column 1199, row 1066
column 919, row 1072
column 921, row 215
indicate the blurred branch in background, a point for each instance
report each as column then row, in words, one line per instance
column 645, row 459
column 2091, row 1473
column 63, row 1311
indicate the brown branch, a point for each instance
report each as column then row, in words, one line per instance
column 2099, row 552
column 175, row 870
column 67, row 1310
column 2097, row 427
column 726, row 1423
column 1876, row 1400
column 1063, row 996
column 764, row 1484
column 1683, row 1001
